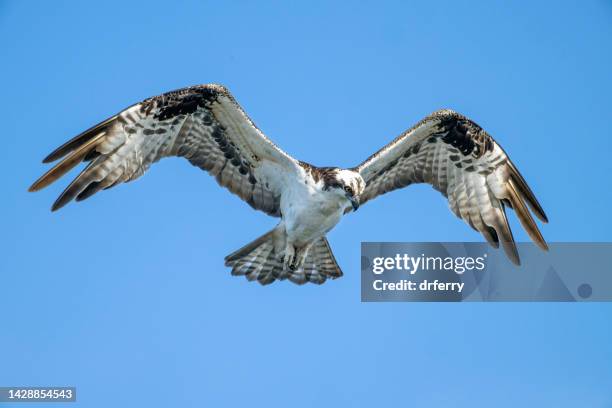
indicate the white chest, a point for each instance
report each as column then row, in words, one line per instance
column 309, row 212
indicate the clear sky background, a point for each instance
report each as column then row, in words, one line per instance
column 125, row 295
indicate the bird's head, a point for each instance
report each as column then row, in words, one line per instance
column 345, row 183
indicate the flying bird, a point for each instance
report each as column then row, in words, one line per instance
column 205, row 125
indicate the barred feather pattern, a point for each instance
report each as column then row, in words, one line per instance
column 263, row 265
column 203, row 124
column 464, row 163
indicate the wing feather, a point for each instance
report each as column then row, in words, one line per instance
column 203, row 124
column 463, row 162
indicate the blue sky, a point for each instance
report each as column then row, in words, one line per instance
column 125, row 295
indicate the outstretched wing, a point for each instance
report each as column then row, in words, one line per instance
column 464, row 163
column 203, row 124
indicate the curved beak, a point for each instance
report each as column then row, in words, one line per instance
column 354, row 201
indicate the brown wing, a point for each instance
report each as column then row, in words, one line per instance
column 464, row 163
column 203, row 124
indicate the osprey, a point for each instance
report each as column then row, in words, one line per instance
column 205, row 125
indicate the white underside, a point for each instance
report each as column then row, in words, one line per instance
column 308, row 211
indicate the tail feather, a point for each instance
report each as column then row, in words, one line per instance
column 256, row 260
column 259, row 261
column 320, row 263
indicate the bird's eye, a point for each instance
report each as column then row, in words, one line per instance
column 348, row 189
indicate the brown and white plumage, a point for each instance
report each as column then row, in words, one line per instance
column 259, row 261
column 462, row 161
column 205, row 125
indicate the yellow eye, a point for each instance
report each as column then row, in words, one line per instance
column 348, row 189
